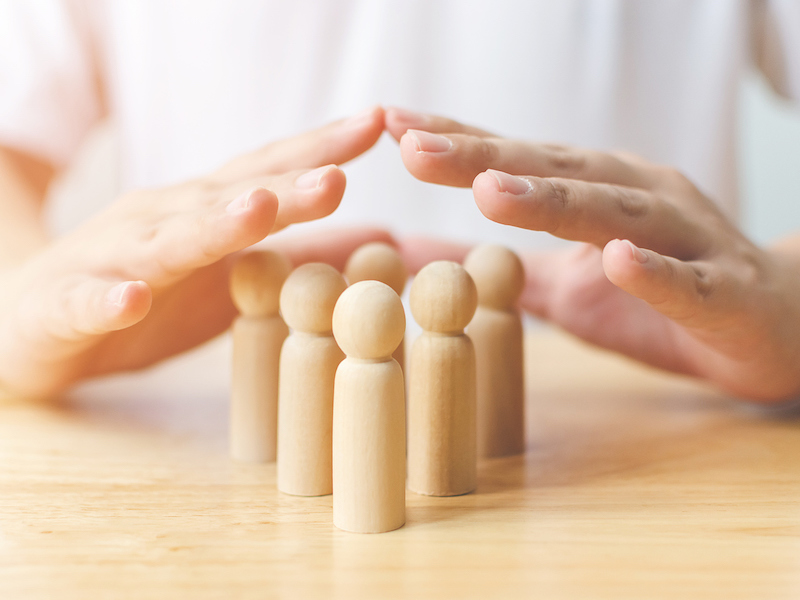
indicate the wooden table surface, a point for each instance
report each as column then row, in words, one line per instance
column 635, row 485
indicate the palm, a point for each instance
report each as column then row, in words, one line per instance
column 182, row 316
column 198, row 307
column 570, row 289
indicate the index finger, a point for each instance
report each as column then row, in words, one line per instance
column 400, row 120
column 335, row 143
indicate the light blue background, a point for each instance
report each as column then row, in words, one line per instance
column 770, row 158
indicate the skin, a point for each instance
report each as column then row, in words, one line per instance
column 148, row 277
column 659, row 273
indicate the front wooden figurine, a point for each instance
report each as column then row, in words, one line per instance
column 369, row 436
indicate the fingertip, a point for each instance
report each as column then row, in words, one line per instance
column 325, row 175
column 399, row 120
column 369, row 122
column 265, row 202
column 254, row 198
column 682, row 291
column 377, row 114
column 327, row 192
column 334, row 180
column 310, row 195
column 623, row 262
column 427, row 157
column 485, row 182
column 253, row 214
column 493, row 203
column 127, row 303
column 408, row 149
column 332, row 192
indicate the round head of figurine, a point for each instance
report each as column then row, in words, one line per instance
column 377, row 261
column 256, row 280
column 369, row 321
column 309, row 295
column 498, row 274
column 443, row 297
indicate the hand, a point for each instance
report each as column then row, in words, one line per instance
column 147, row 278
column 661, row 275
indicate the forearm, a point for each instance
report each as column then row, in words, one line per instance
column 23, row 185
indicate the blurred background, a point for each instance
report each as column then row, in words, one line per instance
column 769, row 147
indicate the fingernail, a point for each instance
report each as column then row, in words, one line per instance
column 117, row 293
column 638, row 255
column 312, row 179
column 429, row 142
column 510, row 183
column 241, row 203
column 410, row 118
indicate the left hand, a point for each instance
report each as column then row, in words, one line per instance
column 661, row 274
column 147, row 277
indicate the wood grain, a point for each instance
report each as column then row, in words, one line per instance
column 634, row 485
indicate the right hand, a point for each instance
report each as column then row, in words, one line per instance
column 659, row 274
column 147, row 278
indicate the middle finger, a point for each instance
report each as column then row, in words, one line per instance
column 589, row 212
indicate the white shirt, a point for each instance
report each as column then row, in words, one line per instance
column 193, row 84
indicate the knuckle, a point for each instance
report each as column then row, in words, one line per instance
column 209, row 247
column 703, row 282
column 565, row 161
column 557, row 199
column 750, row 269
column 556, row 192
column 200, row 192
column 630, row 203
column 487, row 151
column 205, row 187
column 149, row 233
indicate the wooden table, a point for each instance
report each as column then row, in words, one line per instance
column 635, row 485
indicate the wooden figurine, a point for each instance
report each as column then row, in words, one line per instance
column 369, row 443
column 308, row 365
column 496, row 331
column 258, row 334
column 379, row 261
column 441, row 395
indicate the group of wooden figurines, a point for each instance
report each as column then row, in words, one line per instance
column 328, row 401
